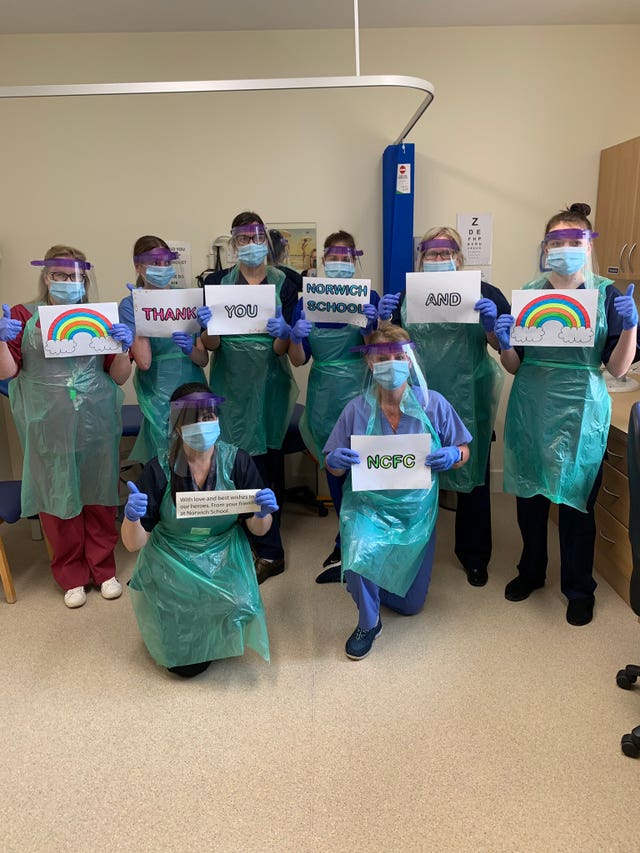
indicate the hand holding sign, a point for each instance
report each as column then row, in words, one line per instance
column 488, row 313
column 371, row 313
column 266, row 500
column 136, row 506
column 502, row 328
column 183, row 342
column 443, row 459
column 388, row 304
column 342, row 458
column 122, row 333
column 203, row 313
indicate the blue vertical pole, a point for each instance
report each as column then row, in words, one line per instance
column 397, row 214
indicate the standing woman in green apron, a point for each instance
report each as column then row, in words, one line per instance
column 558, row 417
column 455, row 361
column 162, row 364
column 67, row 412
column 388, row 537
column 336, row 375
column 253, row 374
column 194, row 590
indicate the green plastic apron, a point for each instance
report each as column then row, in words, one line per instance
column 336, row 377
column 257, row 384
column 68, row 415
column 194, row 589
column 385, row 534
column 558, row 418
column 169, row 369
column 455, row 362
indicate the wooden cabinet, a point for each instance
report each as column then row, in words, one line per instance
column 618, row 212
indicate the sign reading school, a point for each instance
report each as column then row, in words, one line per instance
column 336, row 300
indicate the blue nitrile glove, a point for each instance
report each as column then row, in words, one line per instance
column 301, row 329
column 277, row 326
column 203, row 313
column 9, row 329
column 626, row 308
column 136, row 505
column 342, row 457
column 183, row 341
column 443, row 459
column 502, row 330
column 266, row 500
column 122, row 333
column 371, row 313
column 388, row 305
column 488, row 313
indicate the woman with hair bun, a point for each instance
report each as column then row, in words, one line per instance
column 558, row 416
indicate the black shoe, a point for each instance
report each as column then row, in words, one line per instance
column 268, row 568
column 520, row 588
column 332, row 566
column 580, row 610
column 190, row 670
column 477, row 575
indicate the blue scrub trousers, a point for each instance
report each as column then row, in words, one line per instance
column 368, row 596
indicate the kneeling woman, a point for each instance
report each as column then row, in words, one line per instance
column 388, row 537
column 194, row 589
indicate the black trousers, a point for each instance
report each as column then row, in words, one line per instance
column 577, row 543
column 473, row 524
column 271, row 468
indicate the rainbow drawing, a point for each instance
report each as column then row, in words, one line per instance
column 78, row 321
column 566, row 310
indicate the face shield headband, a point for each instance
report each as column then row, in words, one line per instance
column 67, row 263
column 569, row 234
column 253, row 229
column 154, row 255
column 345, row 251
column 439, row 243
column 391, row 348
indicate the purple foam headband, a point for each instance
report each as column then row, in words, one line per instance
column 384, row 347
column 439, row 243
column 342, row 250
column 251, row 228
column 569, row 234
column 71, row 263
column 197, row 399
column 158, row 254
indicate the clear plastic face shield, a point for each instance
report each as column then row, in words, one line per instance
column 156, row 268
column 67, row 281
column 392, row 365
column 193, row 427
column 567, row 253
column 251, row 243
column 340, row 261
column 441, row 254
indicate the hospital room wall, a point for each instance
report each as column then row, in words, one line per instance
column 519, row 119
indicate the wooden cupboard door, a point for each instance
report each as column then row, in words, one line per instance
column 618, row 210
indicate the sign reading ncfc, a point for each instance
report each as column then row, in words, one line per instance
column 336, row 300
column 391, row 462
column 202, row 504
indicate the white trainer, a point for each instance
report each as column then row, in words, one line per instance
column 111, row 588
column 75, row 597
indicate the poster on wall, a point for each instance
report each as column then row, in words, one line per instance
column 72, row 330
column 239, row 309
column 182, row 264
column 301, row 252
column 336, row 300
column 160, row 313
column 443, row 297
column 554, row 318
column 476, row 231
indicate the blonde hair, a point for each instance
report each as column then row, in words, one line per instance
column 443, row 232
column 387, row 332
column 61, row 251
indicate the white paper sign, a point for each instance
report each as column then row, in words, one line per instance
column 336, row 300
column 203, row 504
column 391, row 462
column 83, row 329
column 443, row 297
column 554, row 318
column 476, row 231
column 240, row 309
column 182, row 265
column 159, row 313
column 403, row 179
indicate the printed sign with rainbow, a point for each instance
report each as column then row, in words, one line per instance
column 78, row 329
column 554, row 318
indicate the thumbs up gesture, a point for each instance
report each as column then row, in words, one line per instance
column 626, row 308
column 278, row 327
column 301, row 329
column 136, row 506
column 9, row 329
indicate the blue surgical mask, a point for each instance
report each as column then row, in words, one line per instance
column 201, row 436
column 566, row 261
column 391, row 374
column 253, row 254
column 439, row 266
column 67, row 292
column 339, row 269
column 159, row 276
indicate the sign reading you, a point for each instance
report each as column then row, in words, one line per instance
column 391, row 462
column 239, row 309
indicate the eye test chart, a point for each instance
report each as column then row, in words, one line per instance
column 476, row 231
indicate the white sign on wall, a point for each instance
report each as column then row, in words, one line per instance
column 391, row 462
column 182, row 264
column 476, row 231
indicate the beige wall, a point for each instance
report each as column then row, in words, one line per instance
column 517, row 126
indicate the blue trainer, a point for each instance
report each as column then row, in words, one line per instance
column 359, row 643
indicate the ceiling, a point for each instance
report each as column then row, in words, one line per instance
column 98, row 16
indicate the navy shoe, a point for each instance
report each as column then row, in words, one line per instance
column 268, row 568
column 520, row 588
column 359, row 643
column 580, row 610
column 332, row 567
